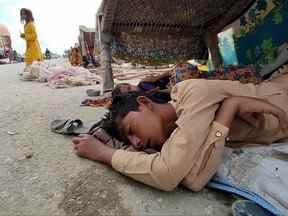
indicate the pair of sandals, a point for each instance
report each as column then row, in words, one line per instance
column 68, row 127
column 75, row 127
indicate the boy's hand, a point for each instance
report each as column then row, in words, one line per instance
column 89, row 147
column 253, row 119
column 249, row 109
column 252, row 110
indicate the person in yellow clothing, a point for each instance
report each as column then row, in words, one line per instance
column 33, row 50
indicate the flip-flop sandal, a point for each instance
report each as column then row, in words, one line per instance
column 68, row 127
column 248, row 208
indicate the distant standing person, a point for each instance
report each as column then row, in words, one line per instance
column 33, row 50
column 47, row 54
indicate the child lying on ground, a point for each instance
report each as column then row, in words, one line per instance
column 190, row 132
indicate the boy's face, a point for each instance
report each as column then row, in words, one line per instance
column 144, row 129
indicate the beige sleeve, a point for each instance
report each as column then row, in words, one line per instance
column 209, row 159
column 166, row 169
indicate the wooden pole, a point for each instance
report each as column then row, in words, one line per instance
column 106, row 60
column 212, row 44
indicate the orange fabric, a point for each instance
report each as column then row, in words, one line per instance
column 75, row 57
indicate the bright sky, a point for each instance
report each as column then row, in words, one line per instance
column 57, row 21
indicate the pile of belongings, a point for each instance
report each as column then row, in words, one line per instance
column 59, row 76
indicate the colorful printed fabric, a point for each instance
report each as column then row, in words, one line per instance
column 160, row 83
column 258, row 38
column 187, row 71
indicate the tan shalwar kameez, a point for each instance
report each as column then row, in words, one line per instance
column 194, row 150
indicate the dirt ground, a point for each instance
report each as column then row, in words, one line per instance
column 41, row 176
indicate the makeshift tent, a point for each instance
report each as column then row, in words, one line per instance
column 86, row 40
column 162, row 31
